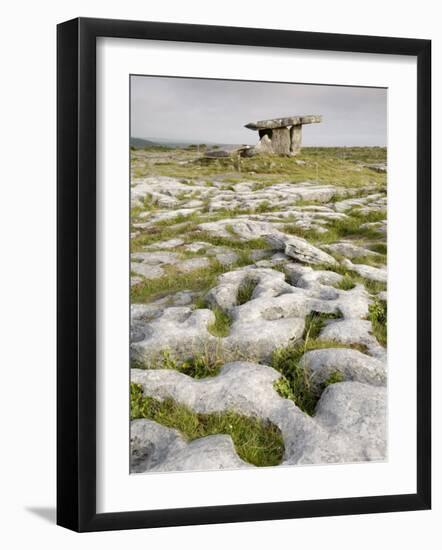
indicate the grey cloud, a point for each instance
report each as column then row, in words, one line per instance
column 203, row 110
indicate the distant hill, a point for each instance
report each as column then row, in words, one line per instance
column 139, row 142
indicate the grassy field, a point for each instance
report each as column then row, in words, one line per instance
column 341, row 166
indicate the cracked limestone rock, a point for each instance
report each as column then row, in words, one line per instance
column 353, row 331
column 147, row 271
column 272, row 317
column 245, row 229
column 368, row 271
column 348, row 426
column 351, row 363
column 356, row 414
column 180, row 330
column 350, row 250
column 157, row 448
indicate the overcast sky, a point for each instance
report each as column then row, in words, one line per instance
column 200, row 110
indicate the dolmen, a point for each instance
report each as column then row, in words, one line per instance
column 280, row 136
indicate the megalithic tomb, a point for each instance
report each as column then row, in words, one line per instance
column 281, row 136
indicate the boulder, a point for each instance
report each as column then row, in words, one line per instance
column 302, row 250
column 299, row 249
column 264, row 146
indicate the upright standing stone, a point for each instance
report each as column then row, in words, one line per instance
column 295, row 138
column 281, row 141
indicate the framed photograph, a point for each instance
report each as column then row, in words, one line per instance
column 241, row 215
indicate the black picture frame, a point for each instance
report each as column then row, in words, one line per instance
column 76, row 274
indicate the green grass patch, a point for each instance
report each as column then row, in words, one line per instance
column 377, row 313
column 321, row 165
column 147, row 206
column 334, row 378
column 381, row 248
column 346, row 283
column 155, row 234
column 221, row 326
column 201, row 302
column 377, row 260
column 186, row 227
column 174, row 281
column 194, row 217
column 296, row 383
column 256, row 441
column 207, row 362
column 264, row 206
column 198, row 280
column 374, row 287
column 315, row 321
column 351, row 227
column 245, row 291
column 305, row 202
column 135, row 211
column 332, row 165
column 229, row 229
column 371, row 216
column 345, row 228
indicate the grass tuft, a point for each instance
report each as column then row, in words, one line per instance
column 346, row 283
column 334, row 378
column 370, row 217
column 221, row 326
column 377, row 260
column 374, row 286
column 245, row 291
column 315, row 321
column 377, row 313
column 381, row 248
column 207, row 362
